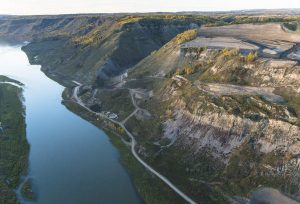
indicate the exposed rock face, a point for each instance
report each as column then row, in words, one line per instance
column 254, row 147
column 225, row 133
column 219, row 132
column 276, row 73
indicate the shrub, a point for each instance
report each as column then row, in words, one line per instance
column 188, row 70
column 251, row 57
column 186, row 36
column 291, row 26
column 230, row 53
column 180, row 72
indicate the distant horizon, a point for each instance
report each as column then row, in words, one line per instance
column 61, row 7
column 154, row 12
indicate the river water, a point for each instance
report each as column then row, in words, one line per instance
column 71, row 161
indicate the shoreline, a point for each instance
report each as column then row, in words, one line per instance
column 68, row 84
column 133, row 143
column 19, row 170
column 127, row 160
column 157, row 191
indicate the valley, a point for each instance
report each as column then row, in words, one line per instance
column 205, row 108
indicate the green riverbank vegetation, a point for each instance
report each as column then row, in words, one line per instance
column 14, row 147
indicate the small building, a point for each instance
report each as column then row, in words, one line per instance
column 113, row 116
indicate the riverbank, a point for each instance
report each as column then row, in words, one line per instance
column 151, row 188
column 14, row 148
column 67, row 154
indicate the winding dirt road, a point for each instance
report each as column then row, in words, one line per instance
column 133, row 143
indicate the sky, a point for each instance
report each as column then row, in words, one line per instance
column 33, row 7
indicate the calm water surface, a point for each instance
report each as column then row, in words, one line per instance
column 71, row 161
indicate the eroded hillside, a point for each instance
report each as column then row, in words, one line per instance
column 213, row 108
column 220, row 118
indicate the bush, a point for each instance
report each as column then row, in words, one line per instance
column 186, row 70
column 251, row 57
column 186, row 36
column 180, row 72
column 230, row 53
column 291, row 26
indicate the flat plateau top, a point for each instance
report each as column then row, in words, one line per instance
column 270, row 31
column 220, row 42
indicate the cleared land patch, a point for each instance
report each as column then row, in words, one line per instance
column 249, row 31
column 220, row 43
column 229, row 89
column 270, row 40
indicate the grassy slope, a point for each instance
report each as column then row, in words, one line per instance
column 122, row 105
column 14, row 148
column 149, row 186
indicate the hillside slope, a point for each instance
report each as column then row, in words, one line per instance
column 94, row 49
column 218, row 121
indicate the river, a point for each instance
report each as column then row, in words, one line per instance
column 71, row 161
